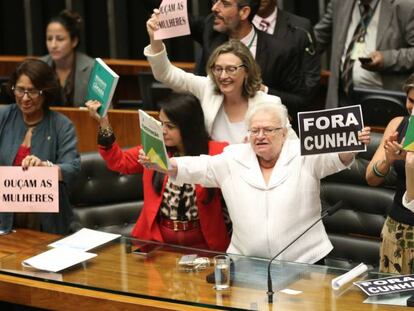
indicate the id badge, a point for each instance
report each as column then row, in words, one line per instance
column 358, row 50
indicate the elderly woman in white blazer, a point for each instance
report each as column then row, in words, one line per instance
column 271, row 191
column 233, row 83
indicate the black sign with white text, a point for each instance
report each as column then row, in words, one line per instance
column 330, row 130
column 388, row 285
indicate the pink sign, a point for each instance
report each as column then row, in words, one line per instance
column 33, row 190
column 173, row 20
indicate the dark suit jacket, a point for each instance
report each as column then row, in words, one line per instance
column 299, row 31
column 278, row 60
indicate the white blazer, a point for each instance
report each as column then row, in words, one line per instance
column 200, row 86
column 267, row 217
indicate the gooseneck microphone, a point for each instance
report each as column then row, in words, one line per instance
column 328, row 212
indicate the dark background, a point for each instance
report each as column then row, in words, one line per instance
column 112, row 28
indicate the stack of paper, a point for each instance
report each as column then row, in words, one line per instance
column 70, row 251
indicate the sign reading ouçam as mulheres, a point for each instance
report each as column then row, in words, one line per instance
column 331, row 130
column 173, row 20
column 33, row 190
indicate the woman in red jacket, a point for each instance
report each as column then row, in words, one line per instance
column 188, row 215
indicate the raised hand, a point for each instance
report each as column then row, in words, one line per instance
column 152, row 26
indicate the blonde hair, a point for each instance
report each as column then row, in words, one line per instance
column 253, row 80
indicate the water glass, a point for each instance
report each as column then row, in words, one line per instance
column 222, row 272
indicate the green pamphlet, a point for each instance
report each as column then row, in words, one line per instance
column 152, row 140
column 101, row 85
column 409, row 136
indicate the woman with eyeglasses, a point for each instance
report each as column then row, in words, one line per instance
column 232, row 85
column 271, row 191
column 188, row 215
column 72, row 67
column 397, row 247
column 33, row 135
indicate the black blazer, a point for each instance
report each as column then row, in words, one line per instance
column 299, row 31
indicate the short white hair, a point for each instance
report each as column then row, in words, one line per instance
column 273, row 107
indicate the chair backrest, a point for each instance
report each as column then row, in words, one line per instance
column 355, row 229
column 105, row 200
column 96, row 184
column 5, row 97
column 380, row 106
column 151, row 90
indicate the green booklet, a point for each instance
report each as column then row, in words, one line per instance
column 409, row 136
column 101, row 85
column 152, row 140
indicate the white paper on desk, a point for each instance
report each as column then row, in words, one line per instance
column 57, row 259
column 391, row 299
column 347, row 277
column 85, row 239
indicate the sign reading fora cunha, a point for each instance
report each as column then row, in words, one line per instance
column 331, row 130
column 33, row 190
column 173, row 20
column 388, row 285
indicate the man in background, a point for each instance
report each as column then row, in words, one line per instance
column 372, row 46
column 287, row 26
column 278, row 59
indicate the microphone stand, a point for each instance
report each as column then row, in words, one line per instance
column 328, row 212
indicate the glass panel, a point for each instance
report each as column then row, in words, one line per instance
column 159, row 276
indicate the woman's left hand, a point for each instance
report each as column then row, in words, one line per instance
column 145, row 161
column 364, row 136
column 32, row 160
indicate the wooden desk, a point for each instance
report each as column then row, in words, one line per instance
column 118, row 279
column 127, row 69
column 124, row 122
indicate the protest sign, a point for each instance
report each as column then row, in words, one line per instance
column 33, row 190
column 331, row 130
column 173, row 20
column 388, row 285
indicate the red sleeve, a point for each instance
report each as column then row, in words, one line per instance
column 125, row 162
column 216, row 147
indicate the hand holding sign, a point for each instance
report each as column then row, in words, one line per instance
column 332, row 131
column 364, row 136
column 152, row 27
column 32, row 160
column 172, row 20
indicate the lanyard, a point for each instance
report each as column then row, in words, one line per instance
column 251, row 42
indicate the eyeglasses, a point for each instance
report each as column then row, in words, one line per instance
column 222, row 3
column 267, row 131
column 33, row 93
column 229, row 70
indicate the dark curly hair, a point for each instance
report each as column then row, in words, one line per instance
column 42, row 77
column 184, row 110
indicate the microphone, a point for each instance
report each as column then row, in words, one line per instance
column 311, row 48
column 327, row 212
